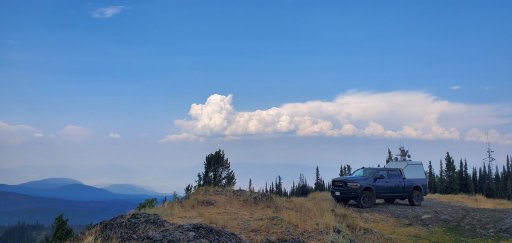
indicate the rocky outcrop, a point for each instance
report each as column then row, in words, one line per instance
column 143, row 227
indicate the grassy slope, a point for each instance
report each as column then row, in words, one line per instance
column 316, row 218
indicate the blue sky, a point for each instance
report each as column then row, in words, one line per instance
column 102, row 91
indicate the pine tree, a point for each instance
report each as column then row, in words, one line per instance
column 450, row 174
column 431, row 178
column 250, row 189
column 279, row 186
column 461, row 179
column 61, row 232
column 442, row 180
column 490, row 189
column 319, row 183
column 390, row 156
column 342, row 171
column 497, row 183
column 474, row 178
column 217, row 171
column 467, row 177
column 188, row 191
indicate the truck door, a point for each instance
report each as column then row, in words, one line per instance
column 396, row 182
column 382, row 185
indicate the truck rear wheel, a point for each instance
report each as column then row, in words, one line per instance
column 415, row 198
column 366, row 199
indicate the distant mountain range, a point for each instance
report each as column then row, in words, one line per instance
column 42, row 200
column 129, row 189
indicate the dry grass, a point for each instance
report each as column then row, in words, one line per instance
column 474, row 201
column 315, row 218
column 256, row 218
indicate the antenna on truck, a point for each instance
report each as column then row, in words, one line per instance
column 403, row 154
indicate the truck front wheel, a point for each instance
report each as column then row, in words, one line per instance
column 366, row 199
column 415, row 198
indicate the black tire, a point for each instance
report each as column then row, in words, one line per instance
column 415, row 198
column 366, row 199
column 389, row 200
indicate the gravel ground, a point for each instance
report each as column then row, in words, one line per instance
column 472, row 222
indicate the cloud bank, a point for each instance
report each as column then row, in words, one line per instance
column 399, row 114
column 74, row 133
column 16, row 134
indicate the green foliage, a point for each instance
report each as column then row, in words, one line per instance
column 390, row 156
column 61, row 232
column 147, row 204
column 302, row 189
column 431, row 179
column 484, row 180
column 23, row 233
column 217, row 171
column 188, row 191
column 451, row 186
column 319, row 182
column 345, row 170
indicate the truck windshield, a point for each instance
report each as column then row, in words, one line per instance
column 367, row 172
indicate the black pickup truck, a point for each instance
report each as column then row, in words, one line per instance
column 399, row 180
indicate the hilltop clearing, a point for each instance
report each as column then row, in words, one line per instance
column 261, row 217
column 221, row 215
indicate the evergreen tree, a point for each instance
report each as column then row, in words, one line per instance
column 319, row 183
column 217, row 171
column 390, row 156
column 451, row 186
column 349, row 170
column 279, row 187
column 431, row 178
column 467, row 177
column 489, row 182
column 61, row 232
column 474, row 179
column 303, row 189
column 442, row 180
column 497, row 183
column 188, row 191
column 461, row 179
column 250, row 189
column 342, row 171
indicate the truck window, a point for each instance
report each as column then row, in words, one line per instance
column 383, row 173
column 368, row 172
column 394, row 174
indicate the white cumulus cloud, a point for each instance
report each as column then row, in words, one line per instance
column 74, row 133
column 455, row 87
column 107, row 12
column 398, row 114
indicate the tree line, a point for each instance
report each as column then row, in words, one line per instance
column 486, row 180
